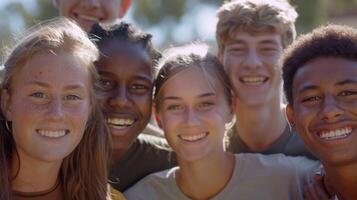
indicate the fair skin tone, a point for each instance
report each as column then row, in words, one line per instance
column 126, row 77
column 193, row 117
column 324, row 113
column 251, row 60
column 88, row 12
column 48, row 106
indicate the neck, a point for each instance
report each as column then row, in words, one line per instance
column 31, row 175
column 343, row 180
column 268, row 121
column 205, row 178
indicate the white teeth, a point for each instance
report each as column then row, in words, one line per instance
column 51, row 134
column 86, row 17
column 253, row 80
column 119, row 122
column 192, row 138
column 336, row 134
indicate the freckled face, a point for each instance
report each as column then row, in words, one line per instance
column 193, row 114
column 325, row 108
column 48, row 104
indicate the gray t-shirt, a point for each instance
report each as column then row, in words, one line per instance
column 255, row 176
column 288, row 143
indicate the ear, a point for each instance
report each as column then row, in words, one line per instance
column 156, row 115
column 291, row 117
column 5, row 104
column 124, row 6
column 55, row 3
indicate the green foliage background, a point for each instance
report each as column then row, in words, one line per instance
column 167, row 13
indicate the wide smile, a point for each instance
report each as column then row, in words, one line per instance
column 335, row 134
column 120, row 122
column 52, row 133
column 193, row 137
column 253, row 80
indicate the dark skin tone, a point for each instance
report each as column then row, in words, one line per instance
column 325, row 114
column 125, row 70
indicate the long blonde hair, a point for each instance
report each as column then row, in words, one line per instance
column 83, row 173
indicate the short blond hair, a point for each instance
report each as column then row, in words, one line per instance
column 255, row 15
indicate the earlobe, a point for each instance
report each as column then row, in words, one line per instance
column 125, row 4
column 291, row 117
column 220, row 56
column 5, row 104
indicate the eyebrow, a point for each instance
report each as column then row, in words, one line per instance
column 199, row 96
column 307, row 88
column 139, row 77
column 45, row 85
column 347, row 81
column 266, row 42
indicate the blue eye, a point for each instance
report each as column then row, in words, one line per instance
column 38, row 95
column 174, row 107
column 72, row 97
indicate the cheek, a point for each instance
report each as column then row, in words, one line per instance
column 144, row 103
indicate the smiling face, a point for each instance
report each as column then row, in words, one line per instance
column 88, row 12
column 325, row 108
column 193, row 112
column 127, row 82
column 252, row 64
column 48, row 104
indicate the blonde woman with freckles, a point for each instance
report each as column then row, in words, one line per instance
column 53, row 141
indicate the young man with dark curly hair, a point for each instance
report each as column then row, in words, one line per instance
column 320, row 84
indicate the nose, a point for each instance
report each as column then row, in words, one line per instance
column 119, row 98
column 56, row 110
column 192, row 117
column 252, row 60
column 331, row 111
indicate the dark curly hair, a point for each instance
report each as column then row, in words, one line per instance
column 328, row 41
column 122, row 31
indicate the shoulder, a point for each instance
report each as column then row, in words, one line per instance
column 152, row 186
column 277, row 163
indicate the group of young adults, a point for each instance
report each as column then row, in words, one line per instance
column 74, row 103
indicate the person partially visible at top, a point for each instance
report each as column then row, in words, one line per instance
column 88, row 12
column 251, row 37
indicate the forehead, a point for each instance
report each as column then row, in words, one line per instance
column 124, row 60
column 60, row 68
column 192, row 81
column 250, row 37
column 325, row 71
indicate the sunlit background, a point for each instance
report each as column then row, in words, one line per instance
column 174, row 22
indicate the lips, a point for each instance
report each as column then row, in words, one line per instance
column 120, row 122
column 52, row 133
column 253, row 80
column 193, row 137
column 335, row 134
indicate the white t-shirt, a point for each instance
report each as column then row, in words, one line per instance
column 255, row 176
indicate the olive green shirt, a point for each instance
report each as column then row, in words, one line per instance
column 288, row 143
column 147, row 155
